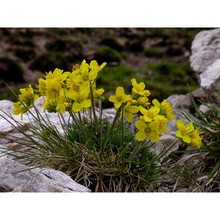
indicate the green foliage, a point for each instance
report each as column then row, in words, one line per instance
column 113, row 76
column 10, row 70
column 209, row 124
column 112, row 43
column 48, row 61
column 92, row 155
column 166, row 78
column 107, row 54
column 152, row 52
column 135, row 45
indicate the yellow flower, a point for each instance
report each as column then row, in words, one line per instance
column 129, row 110
column 196, row 140
column 95, row 67
column 139, row 88
column 162, row 122
column 81, row 99
column 26, row 100
column 143, row 101
column 50, row 105
column 53, row 88
column 184, row 130
column 149, row 114
column 188, row 133
column 165, row 108
column 147, row 130
column 57, row 74
column 19, row 108
column 119, row 97
column 71, row 84
column 88, row 72
column 81, row 103
column 97, row 92
column 62, row 104
column 42, row 86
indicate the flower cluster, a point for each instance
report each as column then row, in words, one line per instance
column 153, row 118
column 188, row 133
column 26, row 100
column 76, row 91
column 63, row 91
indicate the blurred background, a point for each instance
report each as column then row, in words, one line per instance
column 157, row 56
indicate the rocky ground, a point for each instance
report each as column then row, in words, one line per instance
column 150, row 54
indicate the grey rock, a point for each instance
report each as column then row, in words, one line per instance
column 205, row 49
column 15, row 177
column 167, row 144
column 178, row 101
column 210, row 82
column 200, row 93
column 210, row 78
column 204, row 109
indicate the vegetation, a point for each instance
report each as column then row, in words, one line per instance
column 103, row 155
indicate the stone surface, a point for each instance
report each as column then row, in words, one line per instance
column 200, row 93
column 166, row 145
column 9, row 124
column 178, row 101
column 34, row 180
column 210, row 78
column 205, row 60
column 15, row 177
column 205, row 49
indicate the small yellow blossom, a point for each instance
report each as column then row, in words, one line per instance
column 149, row 114
column 95, row 67
column 19, row 108
column 165, row 108
column 196, row 139
column 50, row 105
column 188, row 133
column 57, row 74
column 184, row 130
column 162, row 123
column 147, row 130
column 139, row 88
column 25, row 100
column 129, row 111
column 119, row 97
column 62, row 104
column 81, row 99
column 88, row 72
column 97, row 92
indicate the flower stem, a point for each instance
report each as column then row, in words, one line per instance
column 93, row 103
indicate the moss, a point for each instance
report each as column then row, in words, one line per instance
column 174, row 51
column 167, row 78
column 152, row 52
column 135, row 46
column 106, row 54
column 9, row 95
column 112, row 43
column 10, row 70
column 25, row 53
column 49, row 61
column 111, row 77
column 56, row 45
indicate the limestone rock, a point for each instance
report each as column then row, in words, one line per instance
column 177, row 101
column 15, row 177
column 205, row 49
column 210, row 78
column 166, row 145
